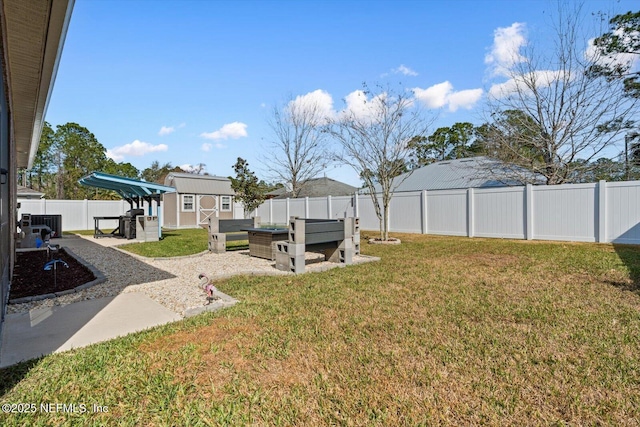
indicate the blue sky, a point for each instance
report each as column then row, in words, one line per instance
column 191, row 82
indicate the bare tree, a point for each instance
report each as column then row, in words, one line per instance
column 297, row 151
column 376, row 140
column 553, row 116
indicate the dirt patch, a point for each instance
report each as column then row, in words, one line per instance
column 31, row 279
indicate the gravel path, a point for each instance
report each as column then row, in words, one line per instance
column 173, row 282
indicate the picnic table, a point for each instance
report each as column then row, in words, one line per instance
column 97, row 232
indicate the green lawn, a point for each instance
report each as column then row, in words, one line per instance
column 442, row 330
column 188, row 241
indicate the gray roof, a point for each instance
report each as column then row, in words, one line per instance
column 28, row 193
column 189, row 183
column 474, row 172
column 318, row 187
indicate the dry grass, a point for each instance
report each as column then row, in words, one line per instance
column 441, row 331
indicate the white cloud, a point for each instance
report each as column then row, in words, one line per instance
column 442, row 94
column 505, row 52
column 434, row 96
column 199, row 169
column 593, row 53
column 464, row 99
column 233, row 130
column 402, row 69
column 136, row 148
column 166, row 130
column 208, row 146
column 360, row 106
column 523, row 83
column 319, row 100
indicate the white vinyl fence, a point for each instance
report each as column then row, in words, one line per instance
column 597, row 212
column 78, row 214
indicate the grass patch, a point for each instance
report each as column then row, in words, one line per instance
column 182, row 242
column 442, row 330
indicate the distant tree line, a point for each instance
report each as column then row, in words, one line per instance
column 70, row 152
column 463, row 140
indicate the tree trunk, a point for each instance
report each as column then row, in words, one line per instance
column 386, row 223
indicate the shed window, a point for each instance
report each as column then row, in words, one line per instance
column 187, row 203
column 225, row 202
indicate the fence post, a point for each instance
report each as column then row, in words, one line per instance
column 470, row 212
column 85, row 210
column 528, row 212
column 425, row 224
column 329, row 207
column 288, row 208
column 602, row 212
column 306, row 207
column 271, row 212
column 356, row 205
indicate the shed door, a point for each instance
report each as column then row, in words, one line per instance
column 207, row 208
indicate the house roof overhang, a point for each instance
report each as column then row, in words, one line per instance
column 127, row 188
column 32, row 45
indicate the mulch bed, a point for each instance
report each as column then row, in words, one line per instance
column 31, row 279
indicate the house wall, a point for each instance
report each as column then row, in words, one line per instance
column 596, row 212
column 7, row 206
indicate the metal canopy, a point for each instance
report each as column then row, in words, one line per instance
column 132, row 190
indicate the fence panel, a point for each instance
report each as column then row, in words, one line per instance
column 447, row 212
column 297, row 208
column 368, row 218
column 33, row 207
column 280, row 212
column 405, row 212
column 499, row 213
column 106, row 208
column 318, row 207
column 342, row 207
column 565, row 212
column 623, row 212
column 264, row 213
